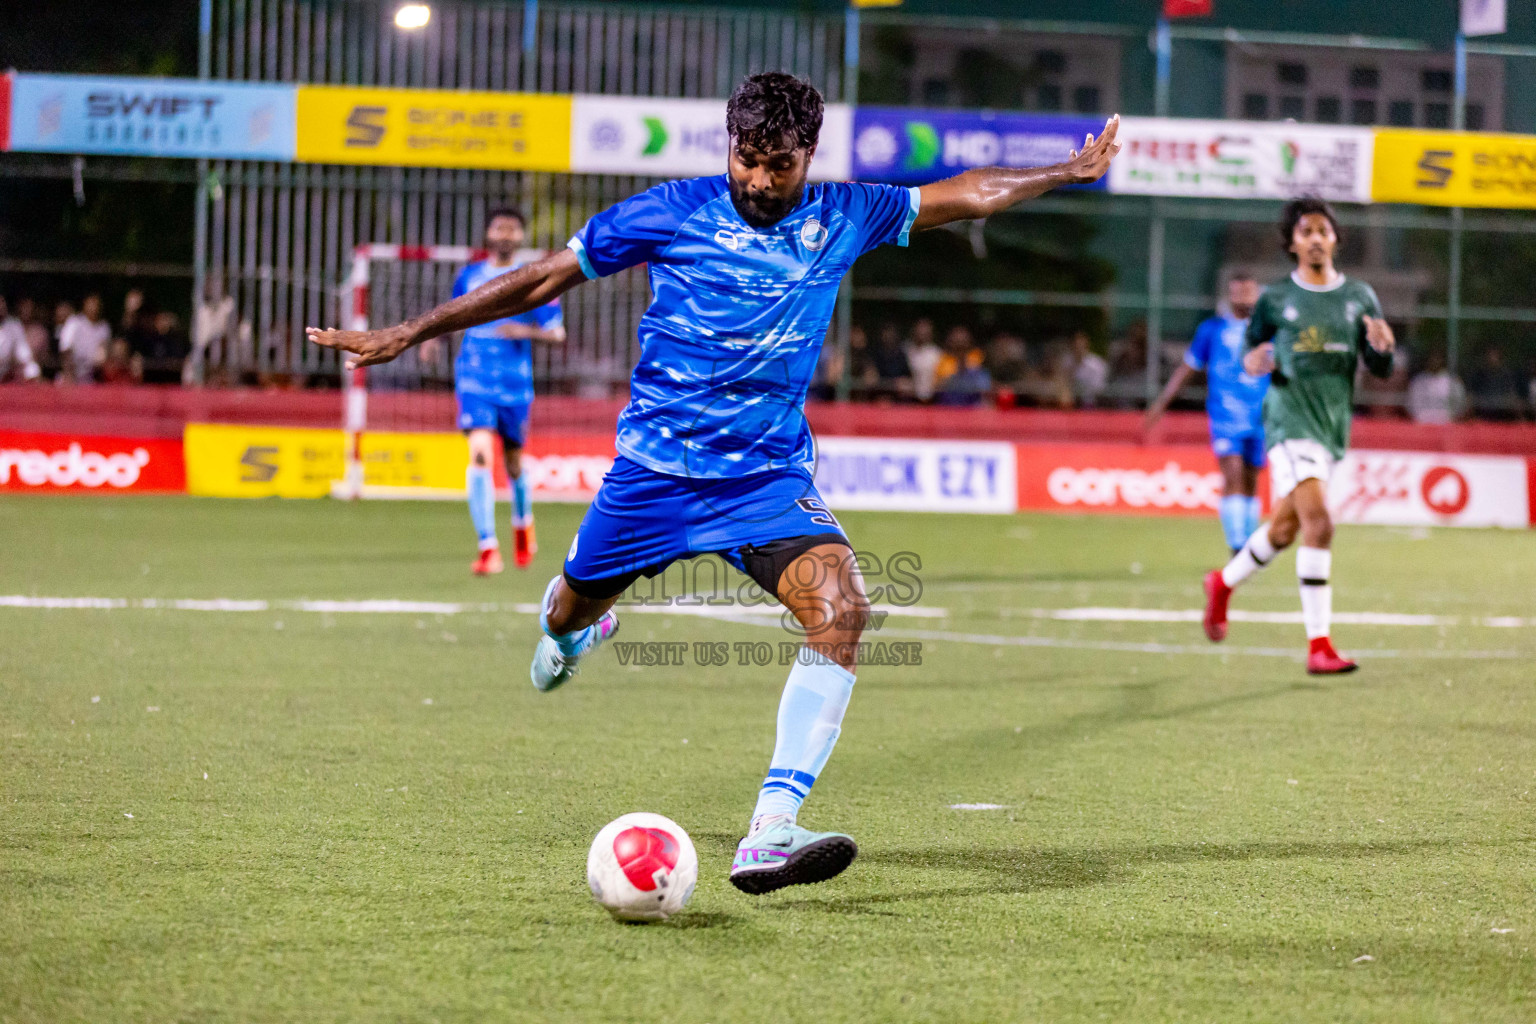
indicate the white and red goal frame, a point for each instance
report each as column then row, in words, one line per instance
column 354, row 383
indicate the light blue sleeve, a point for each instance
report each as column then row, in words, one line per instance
column 884, row 213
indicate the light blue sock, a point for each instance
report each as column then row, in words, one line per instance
column 482, row 504
column 1255, row 516
column 1234, row 519
column 522, row 505
column 573, row 644
column 810, row 720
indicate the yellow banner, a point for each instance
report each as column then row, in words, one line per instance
column 434, row 128
column 261, row 462
column 1454, row 169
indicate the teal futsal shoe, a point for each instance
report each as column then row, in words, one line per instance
column 785, row 854
column 552, row 666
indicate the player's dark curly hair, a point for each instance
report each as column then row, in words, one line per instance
column 505, row 211
column 1296, row 209
column 767, row 107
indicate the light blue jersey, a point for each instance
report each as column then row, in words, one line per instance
column 490, row 366
column 730, row 341
column 1234, row 399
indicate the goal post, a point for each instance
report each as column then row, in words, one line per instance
column 407, row 407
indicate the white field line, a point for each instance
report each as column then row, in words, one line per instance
column 764, row 617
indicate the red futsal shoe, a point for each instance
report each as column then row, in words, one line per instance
column 526, row 547
column 489, row 563
column 1217, row 594
column 1323, row 660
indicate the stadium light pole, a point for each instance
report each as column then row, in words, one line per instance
column 200, row 209
column 1453, row 271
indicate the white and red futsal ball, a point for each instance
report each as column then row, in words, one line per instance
column 642, row 867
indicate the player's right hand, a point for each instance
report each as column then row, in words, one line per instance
column 1260, row 360
column 370, row 347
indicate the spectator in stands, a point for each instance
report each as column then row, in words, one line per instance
column 213, row 326
column 39, row 339
column 1128, row 366
column 829, row 370
column 1007, row 359
column 1090, row 371
column 119, row 367
column 893, row 375
column 83, row 340
column 1495, row 388
column 962, row 374
column 16, row 360
column 133, row 309
column 1436, row 395
column 280, row 357
column 923, row 355
column 1389, row 396
column 161, row 350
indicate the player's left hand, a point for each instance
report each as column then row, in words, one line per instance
column 370, row 347
column 1379, row 334
column 1089, row 163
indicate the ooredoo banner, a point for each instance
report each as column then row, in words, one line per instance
column 166, row 117
column 83, row 463
column 681, row 137
column 1126, row 479
column 916, row 476
column 1242, row 159
column 1390, row 488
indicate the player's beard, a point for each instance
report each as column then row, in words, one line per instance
column 764, row 209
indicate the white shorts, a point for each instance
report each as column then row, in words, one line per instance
column 1291, row 462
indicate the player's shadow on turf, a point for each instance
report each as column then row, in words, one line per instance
column 1026, row 870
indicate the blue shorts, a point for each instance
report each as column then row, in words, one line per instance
column 477, row 412
column 642, row 521
column 1249, row 445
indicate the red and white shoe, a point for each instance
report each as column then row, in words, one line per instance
column 488, row 563
column 1323, row 660
column 526, row 546
column 1217, row 594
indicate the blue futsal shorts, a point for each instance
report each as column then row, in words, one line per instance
column 477, row 412
column 642, row 521
column 1249, row 445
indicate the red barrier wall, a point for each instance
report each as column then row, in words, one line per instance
column 148, row 411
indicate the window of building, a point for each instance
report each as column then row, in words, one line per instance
column 1364, row 77
column 1085, row 99
column 1400, row 113
column 1362, row 112
column 1255, row 107
column 1437, row 115
column 1437, row 80
column 1293, row 107
column 1048, row 97
column 1052, row 62
column 1292, row 74
column 1477, row 117
column 1329, row 109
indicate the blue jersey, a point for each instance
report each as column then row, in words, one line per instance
column 730, row 341
column 1234, row 399
column 490, row 365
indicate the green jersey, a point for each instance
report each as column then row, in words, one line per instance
column 1318, row 333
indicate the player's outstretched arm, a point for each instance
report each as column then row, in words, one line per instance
column 1160, row 405
column 518, row 291
column 983, row 191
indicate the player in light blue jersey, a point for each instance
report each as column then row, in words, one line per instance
column 493, row 381
column 1234, row 402
column 714, row 451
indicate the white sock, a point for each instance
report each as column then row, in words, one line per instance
column 1255, row 555
column 1313, row 567
column 810, row 720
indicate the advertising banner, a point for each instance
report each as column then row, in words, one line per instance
column 1455, row 169
column 1126, row 479
column 1242, row 160
column 229, row 461
column 87, row 464
column 433, row 128
column 167, row 117
column 1391, row 488
column 681, row 138
column 915, row 476
column 5, row 110
column 912, row 146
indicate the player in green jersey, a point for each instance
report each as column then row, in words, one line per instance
column 1308, row 331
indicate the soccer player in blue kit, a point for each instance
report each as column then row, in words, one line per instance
column 714, row 454
column 1234, row 402
column 493, row 381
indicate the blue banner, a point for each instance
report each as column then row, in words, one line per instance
column 177, row 117
column 913, row 146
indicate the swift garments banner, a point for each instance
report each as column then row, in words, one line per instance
column 433, row 128
column 88, row 464
column 1242, row 160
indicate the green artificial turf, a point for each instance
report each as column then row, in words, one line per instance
column 373, row 816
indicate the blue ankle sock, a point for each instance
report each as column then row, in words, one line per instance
column 522, row 505
column 810, row 720
column 1255, row 516
column 482, row 504
column 571, row 644
column 1234, row 519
